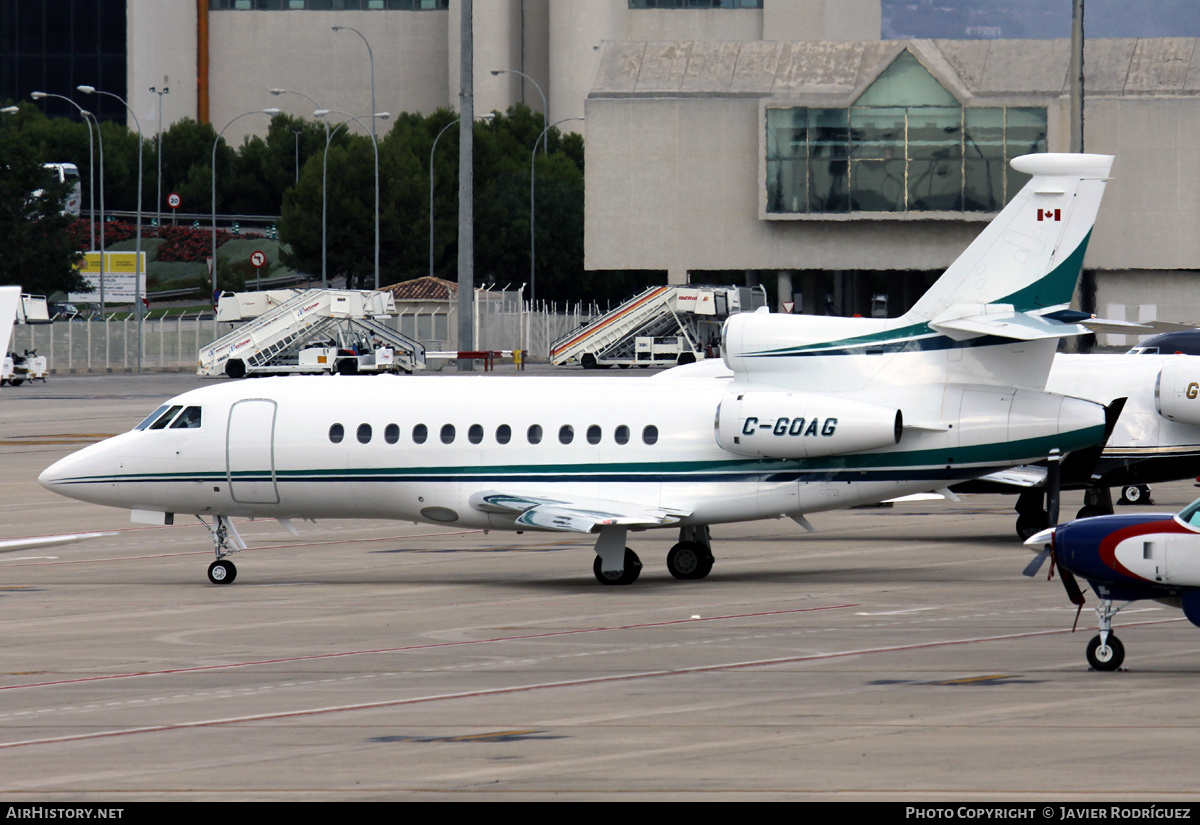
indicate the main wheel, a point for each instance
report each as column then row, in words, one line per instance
column 1087, row 511
column 1105, row 657
column 222, row 572
column 633, row 569
column 1135, row 494
column 689, row 560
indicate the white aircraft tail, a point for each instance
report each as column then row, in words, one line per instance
column 994, row 317
column 1028, row 258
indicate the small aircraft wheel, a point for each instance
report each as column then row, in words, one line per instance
column 633, row 569
column 689, row 560
column 1135, row 494
column 588, row 361
column 1030, row 523
column 1105, row 657
column 222, row 572
column 1089, row 512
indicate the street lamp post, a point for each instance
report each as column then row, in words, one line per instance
column 100, row 140
column 165, row 90
column 138, row 272
column 217, row 141
column 85, row 114
column 371, row 57
column 324, row 233
column 532, row 209
column 323, row 113
column 488, row 116
column 545, row 106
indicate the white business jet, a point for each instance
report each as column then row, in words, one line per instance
column 817, row 414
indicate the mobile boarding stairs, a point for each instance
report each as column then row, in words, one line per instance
column 664, row 325
column 309, row 331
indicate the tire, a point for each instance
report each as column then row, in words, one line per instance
column 1089, row 512
column 1135, row 494
column 222, row 572
column 588, row 361
column 686, row 358
column 347, row 366
column 235, row 368
column 16, row 382
column 1105, row 658
column 633, row 569
column 689, row 561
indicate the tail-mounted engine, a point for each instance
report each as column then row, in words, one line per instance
column 780, row 424
column 1177, row 392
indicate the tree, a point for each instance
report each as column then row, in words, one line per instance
column 38, row 252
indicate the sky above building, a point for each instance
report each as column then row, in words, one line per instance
column 1022, row 19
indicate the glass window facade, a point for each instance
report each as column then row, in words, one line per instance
column 904, row 146
column 56, row 45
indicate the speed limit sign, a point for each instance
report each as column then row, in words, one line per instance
column 258, row 259
column 173, row 201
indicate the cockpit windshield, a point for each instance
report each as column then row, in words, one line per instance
column 1190, row 515
column 170, row 415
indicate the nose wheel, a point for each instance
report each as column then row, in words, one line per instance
column 1105, row 654
column 222, row 572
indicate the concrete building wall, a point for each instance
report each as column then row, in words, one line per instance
column 161, row 41
column 253, row 52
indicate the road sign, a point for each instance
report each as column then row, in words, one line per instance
column 173, row 201
column 258, row 259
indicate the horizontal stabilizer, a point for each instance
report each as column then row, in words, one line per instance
column 1111, row 327
column 1001, row 320
column 573, row 515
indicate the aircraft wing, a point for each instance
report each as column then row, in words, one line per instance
column 579, row 515
column 1026, row 476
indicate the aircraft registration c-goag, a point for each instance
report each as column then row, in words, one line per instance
column 1125, row 558
column 812, row 414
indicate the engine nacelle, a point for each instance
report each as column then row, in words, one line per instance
column 1177, row 392
column 780, row 424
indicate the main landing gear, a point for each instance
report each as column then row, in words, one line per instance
column 226, row 541
column 689, row 560
column 1032, row 509
column 1105, row 651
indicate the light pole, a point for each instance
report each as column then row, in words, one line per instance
column 216, row 141
column 323, row 113
column 85, row 114
column 545, row 106
column 138, row 272
column 371, row 57
column 532, row 209
column 165, row 90
column 324, row 234
column 488, row 116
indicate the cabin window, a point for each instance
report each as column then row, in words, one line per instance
column 621, row 434
column 189, row 419
column 336, row 433
column 420, row 433
column 503, row 434
column 364, row 433
column 593, row 434
column 534, row 433
column 447, row 433
column 566, row 434
column 475, row 434
column 150, row 419
column 391, row 434
column 650, row 434
column 165, row 418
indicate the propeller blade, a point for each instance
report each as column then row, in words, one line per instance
column 1034, row 566
column 1071, row 586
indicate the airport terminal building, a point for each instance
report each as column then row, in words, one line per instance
column 726, row 139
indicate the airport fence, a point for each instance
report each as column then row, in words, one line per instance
column 502, row 322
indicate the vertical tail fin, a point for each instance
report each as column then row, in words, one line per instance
column 1031, row 255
